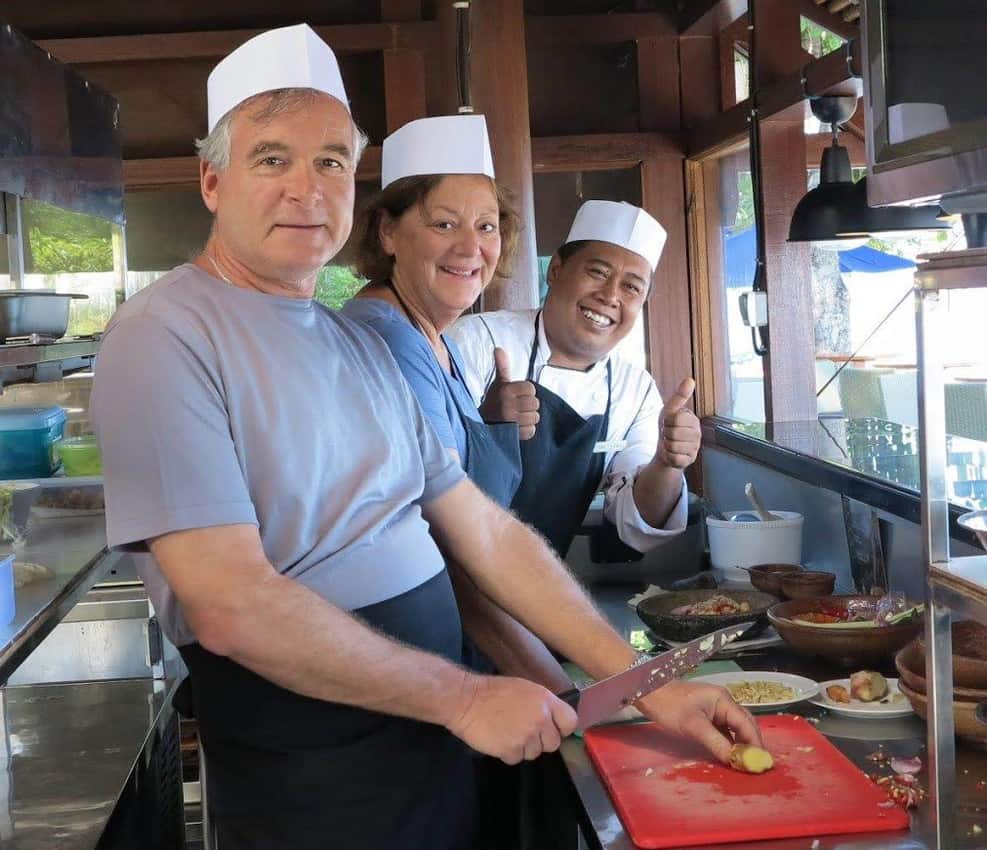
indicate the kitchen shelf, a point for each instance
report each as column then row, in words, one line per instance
column 954, row 585
column 24, row 362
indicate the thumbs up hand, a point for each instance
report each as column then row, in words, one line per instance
column 681, row 435
column 510, row 401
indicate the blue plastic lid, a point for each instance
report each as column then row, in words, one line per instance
column 30, row 418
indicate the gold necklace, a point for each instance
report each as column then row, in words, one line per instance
column 219, row 271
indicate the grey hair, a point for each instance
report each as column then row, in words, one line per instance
column 215, row 148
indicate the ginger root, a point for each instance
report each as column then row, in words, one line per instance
column 867, row 686
column 750, row 759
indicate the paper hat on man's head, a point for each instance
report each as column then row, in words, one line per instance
column 621, row 224
column 286, row 58
column 447, row 144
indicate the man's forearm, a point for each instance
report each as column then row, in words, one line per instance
column 286, row 633
column 516, row 569
column 509, row 645
column 657, row 490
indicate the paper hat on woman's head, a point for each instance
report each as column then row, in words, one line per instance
column 286, row 58
column 621, row 224
column 447, row 144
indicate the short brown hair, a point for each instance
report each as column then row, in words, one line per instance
column 371, row 260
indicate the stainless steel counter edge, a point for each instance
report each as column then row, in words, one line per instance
column 40, row 624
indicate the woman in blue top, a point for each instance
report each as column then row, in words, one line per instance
column 429, row 242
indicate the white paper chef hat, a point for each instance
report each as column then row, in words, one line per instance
column 286, row 58
column 446, row 144
column 621, row 224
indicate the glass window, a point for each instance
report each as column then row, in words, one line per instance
column 731, row 252
column 818, row 40
column 741, row 74
column 71, row 252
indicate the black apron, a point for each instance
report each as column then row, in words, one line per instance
column 493, row 452
column 288, row 771
column 561, row 470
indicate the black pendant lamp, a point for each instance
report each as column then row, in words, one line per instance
column 837, row 208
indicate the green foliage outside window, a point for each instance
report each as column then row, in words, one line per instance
column 817, row 40
column 336, row 285
column 60, row 242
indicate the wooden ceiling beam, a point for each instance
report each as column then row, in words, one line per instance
column 830, row 74
column 559, row 30
column 346, row 38
column 600, row 151
column 817, row 13
column 182, row 172
column 710, row 17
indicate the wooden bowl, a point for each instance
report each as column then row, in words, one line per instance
column 655, row 611
column 911, row 666
column 767, row 577
column 849, row 646
column 807, row 584
column 965, row 721
column 969, row 654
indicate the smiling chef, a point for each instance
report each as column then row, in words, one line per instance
column 587, row 415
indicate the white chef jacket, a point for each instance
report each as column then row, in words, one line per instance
column 635, row 407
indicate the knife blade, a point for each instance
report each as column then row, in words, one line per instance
column 600, row 700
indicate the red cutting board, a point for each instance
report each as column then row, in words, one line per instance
column 688, row 799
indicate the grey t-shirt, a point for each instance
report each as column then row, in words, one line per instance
column 217, row 405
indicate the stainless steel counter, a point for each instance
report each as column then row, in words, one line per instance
column 601, row 827
column 70, row 750
column 74, row 548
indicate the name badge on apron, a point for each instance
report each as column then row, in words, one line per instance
column 607, row 446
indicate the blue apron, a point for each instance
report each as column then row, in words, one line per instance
column 561, row 470
column 493, row 452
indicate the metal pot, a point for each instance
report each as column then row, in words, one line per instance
column 24, row 312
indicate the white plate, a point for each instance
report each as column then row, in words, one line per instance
column 857, row 708
column 804, row 688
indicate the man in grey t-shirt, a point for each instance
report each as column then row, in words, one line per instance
column 298, row 510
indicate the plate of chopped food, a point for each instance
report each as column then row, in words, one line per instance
column 763, row 690
column 865, row 694
column 685, row 615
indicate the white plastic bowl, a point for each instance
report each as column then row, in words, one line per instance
column 734, row 545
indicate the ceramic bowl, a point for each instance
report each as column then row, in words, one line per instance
column 656, row 612
column 975, row 521
column 849, row 646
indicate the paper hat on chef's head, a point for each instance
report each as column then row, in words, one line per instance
column 621, row 224
column 286, row 58
column 446, row 144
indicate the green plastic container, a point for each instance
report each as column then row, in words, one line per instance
column 80, row 456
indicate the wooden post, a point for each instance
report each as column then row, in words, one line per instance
column 789, row 368
column 404, row 87
column 499, row 74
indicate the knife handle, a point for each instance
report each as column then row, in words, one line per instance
column 570, row 697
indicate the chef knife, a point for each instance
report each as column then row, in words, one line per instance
column 600, row 700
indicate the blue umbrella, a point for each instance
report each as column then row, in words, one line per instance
column 740, row 251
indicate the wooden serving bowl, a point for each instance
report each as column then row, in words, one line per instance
column 848, row 646
column 969, row 654
column 767, row 577
column 910, row 663
column 807, row 584
column 966, row 721
column 656, row 612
